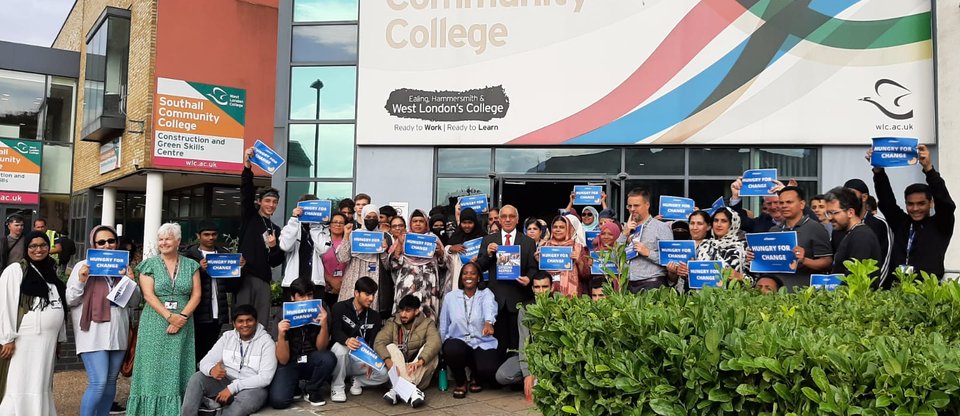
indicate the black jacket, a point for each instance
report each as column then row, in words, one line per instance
column 932, row 234
column 345, row 324
column 204, row 312
column 259, row 260
column 509, row 293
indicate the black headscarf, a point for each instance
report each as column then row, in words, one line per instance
column 459, row 236
column 38, row 274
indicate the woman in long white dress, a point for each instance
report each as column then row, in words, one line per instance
column 33, row 287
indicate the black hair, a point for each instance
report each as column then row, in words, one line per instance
column 206, row 225
column 126, row 243
column 439, row 209
column 721, row 211
column 557, row 218
column 776, row 280
column 346, row 203
column 540, row 275
column 14, row 218
column 388, row 210
column 702, row 214
column 302, row 287
column 41, row 219
column 820, row 197
column 243, row 310
column 918, row 188
column 871, row 203
column 338, row 214
column 800, row 194
column 474, row 265
column 597, row 283
column 410, row 301
column 267, row 191
column 307, row 197
column 532, row 221
column 847, row 198
column 366, row 285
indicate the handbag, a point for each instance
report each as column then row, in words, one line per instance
column 127, row 368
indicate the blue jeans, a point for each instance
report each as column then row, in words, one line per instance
column 317, row 370
column 102, row 367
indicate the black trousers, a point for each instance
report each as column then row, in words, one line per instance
column 506, row 332
column 206, row 334
column 459, row 356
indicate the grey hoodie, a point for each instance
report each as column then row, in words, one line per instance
column 253, row 369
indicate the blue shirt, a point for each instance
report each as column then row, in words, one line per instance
column 463, row 318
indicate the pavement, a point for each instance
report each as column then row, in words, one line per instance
column 68, row 388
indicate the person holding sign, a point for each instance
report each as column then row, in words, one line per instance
column 879, row 226
column 920, row 238
column 567, row 282
column 100, row 327
column 699, row 224
column 468, row 230
column 211, row 314
column 237, row 370
column 415, row 262
column 508, row 293
column 467, row 327
column 607, row 242
column 857, row 241
column 352, row 323
column 32, row 323
column 411, row 342
column 725, row 245
column 257, row 240
column 302, row 354
column 333, row 269
column 303, row 244
column 357, row 265
column 645, row 269
column 165, row 353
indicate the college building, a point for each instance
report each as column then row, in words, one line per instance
column 417, row 103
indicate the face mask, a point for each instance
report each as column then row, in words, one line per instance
column 371, row 223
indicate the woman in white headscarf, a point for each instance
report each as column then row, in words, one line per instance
column 590, row 219
column 725, row 245
column 357, row 265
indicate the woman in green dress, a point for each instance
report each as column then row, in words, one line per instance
column 164, row 362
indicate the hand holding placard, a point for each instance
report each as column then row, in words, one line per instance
column 266, row 158
column 758, row 182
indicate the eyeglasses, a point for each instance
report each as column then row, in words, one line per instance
column 105, row 242
column 37, row 247
column 832, row 213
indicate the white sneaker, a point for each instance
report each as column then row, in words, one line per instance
column 338, row 396
column 390, row 397
column 356, row 389
column 417, row 399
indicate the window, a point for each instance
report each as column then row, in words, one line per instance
column 320, row 150
column 449, row 189
column 21, row 96
column 334, row 88
column 59, row 107
column 790, row 163
column 57, row 169
column 558, row 161
column 655, row 161
column 461, row 161
column 325, row 10
column 719, row 161
column 105, row 82
column 334, row 191
column 329, row 43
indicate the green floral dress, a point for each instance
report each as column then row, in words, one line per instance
column 163, row 363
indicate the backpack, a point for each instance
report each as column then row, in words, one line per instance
column 67, row 247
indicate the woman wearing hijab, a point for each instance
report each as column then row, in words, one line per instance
column 416, row 275
column 536, row 229
column 725, row 245
column 590, row 218
column 468, row 229
column 100, row 327
column 333, row 268
column 31, row 325
column 438, row 226
column 357, row 265
column 607, row 241
column 567, row 282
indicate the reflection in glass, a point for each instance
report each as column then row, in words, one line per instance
column 334, row 191
column 57, row 167
column 58, row 124
column 21, row 95
column 325, row 43
column 704, row 192
column 325, row 10
column 657, row 188
column 460, row 161
column 336, row 92
column 719, row 161
column 790, row 163
column 449, row 189
column 558, row 161
column 320, row 151
column 654, row 161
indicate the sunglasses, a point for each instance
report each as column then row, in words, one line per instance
column 105, row 242
column 587, row 214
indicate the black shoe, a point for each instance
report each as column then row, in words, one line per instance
column 315, row 399
column 117, row 409
column 298, row 394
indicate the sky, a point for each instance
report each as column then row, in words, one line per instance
column 34, row 22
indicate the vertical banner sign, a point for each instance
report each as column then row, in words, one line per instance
column 676, row 208
column 110, row 156
column 758, row 182
column 20, row 162
column 773, row 252
column 894, row 152
column 198, row 126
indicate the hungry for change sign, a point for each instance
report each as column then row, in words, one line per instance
column 894, row 152
column 223, row 265
column 315, row 211
column 758, row 182
column 676, row 251
column 828, row 282
column 266, row 158
column 676, row 208
column 587, row 195
column 556, row 258
column 773, row 252
column 420, row 245
column 472, row 248
column 366, row 242
column 704, row 273
column 476, row 202
column 302, row 313
column 599, row 266
column 107, row 262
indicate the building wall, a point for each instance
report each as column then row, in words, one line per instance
column 948, row 105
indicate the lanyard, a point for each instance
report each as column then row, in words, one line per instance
column 242, row 354
column 176, row 271
column 362, row 330
column 469, row 312
column 910, row 237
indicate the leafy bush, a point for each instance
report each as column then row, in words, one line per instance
column 723, row 351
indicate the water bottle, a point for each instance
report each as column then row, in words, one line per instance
column 442, row 377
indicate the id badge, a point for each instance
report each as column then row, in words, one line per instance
column 371, row 268
column 171, row 305
column 265, row 235
column 302, row 359
column 338, row 273
column 55, row 304
column 555, row 277
column 906, row 269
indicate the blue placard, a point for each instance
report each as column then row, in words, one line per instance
column 266, row 158
column 676, row 251
column 718, row 204
column 591, row 235
column 368, row 356
column 473, row 249
column 587, row 195
column 773, row 252
column 704, row 273
column 758, row 182
column 419, row 245
column 366, row 242
column 477, row 202
column 556, row 258
column 302, row 313
column 223, row 265
column 599, row 266
column 317, row 210
column 630, row 250
column 828, row 282
column 107, row 262
column 894, row 152
column 508, row 262
column 676, row 208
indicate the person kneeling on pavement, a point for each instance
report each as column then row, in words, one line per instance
column 411, row 342
column 302, row 354
column 353, row 323
column 235, row 373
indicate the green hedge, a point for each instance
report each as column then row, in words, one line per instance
column 736, row 351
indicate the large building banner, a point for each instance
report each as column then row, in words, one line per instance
column 658, row 72
column 20, row 163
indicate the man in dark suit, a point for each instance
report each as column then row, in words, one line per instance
column 508, row 292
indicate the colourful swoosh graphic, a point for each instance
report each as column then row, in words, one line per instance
column 615, row 119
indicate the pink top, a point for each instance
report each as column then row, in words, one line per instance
column 332, row 268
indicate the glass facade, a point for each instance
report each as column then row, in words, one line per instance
column 325, row 10
column 105, row 82
column 21, row 97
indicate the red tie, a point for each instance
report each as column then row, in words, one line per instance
column 508, row 240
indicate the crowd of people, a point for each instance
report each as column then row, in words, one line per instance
column 419, row 314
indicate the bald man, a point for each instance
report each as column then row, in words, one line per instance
column 508, row 293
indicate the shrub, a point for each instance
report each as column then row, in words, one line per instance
column 725, row 351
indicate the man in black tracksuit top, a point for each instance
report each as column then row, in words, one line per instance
column 258, row 242
column 919, row 239
column 352, row 320
column 212, row 313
